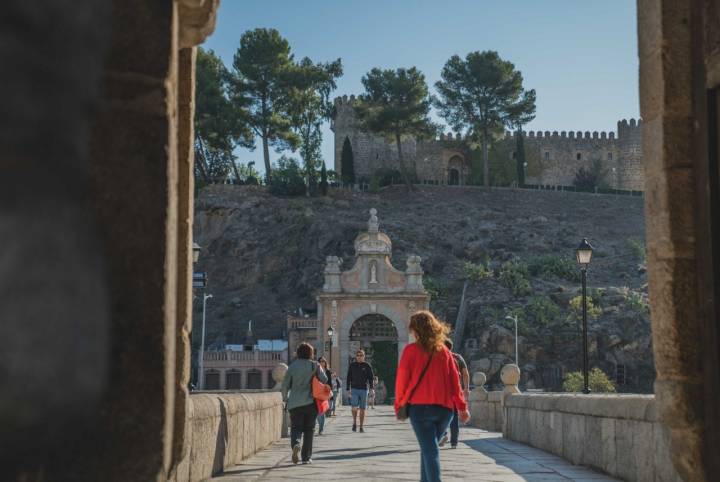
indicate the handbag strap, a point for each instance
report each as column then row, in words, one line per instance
column 422, row 374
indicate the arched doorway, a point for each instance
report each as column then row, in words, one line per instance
column 453, row 177
column 377, row 335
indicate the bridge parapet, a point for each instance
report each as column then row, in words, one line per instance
column 621, row 435
column 225, row 429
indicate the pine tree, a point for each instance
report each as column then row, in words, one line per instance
column 323, row 180
column 347, row 165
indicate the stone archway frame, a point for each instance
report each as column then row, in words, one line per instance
column 371, row 307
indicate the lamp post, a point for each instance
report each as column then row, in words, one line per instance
column 201, row 374
column 583, row 254
column 330, row 333
column 515, row 319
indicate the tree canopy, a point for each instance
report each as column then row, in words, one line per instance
column 481, row 95
column 220, row 124
column 395, row 105
column 309, row 106
column 262, row 76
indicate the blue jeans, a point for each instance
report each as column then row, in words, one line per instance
column 454, row 429
column 321, row 422
column 429, row 423
column 333, row 402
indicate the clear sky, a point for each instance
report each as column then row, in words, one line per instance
column 580, row 56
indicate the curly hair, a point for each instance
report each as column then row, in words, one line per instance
column 431, row 332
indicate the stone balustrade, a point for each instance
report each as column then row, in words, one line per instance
column 620, row 435
column 224, row 429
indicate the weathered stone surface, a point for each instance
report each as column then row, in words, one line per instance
column 225, row 429
column 618, row 434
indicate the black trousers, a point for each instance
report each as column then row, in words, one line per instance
column 302, row 424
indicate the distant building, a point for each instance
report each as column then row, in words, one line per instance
column 246, row 366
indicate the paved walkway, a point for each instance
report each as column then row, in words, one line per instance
column 388, row 451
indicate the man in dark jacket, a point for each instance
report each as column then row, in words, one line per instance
column 359, row 381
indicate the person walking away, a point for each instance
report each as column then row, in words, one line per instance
column 297, row 394
column 427, row 381
column 359, row 382
column 465, row 384
column 336, row 385
column 373, row 394
column 321, row 417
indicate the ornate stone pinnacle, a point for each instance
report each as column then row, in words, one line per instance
column 373, row 223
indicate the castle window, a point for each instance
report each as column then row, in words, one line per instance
column 547, row 155
column 376, row 156
column 578, row 156
column 609, row 156
column 514, row 155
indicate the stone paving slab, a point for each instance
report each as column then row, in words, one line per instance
column 388, row 451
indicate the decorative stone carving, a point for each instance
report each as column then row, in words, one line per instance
column 197, row 21
column 414, row 273
column 412, row 307
column 510, row 376
column 373, row 307
column 334, row 309
column 278, row 374
column 332, row 274
column 373, row 222
column 479, row 379
column 373, row 272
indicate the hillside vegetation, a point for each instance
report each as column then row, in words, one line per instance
column 265, row 256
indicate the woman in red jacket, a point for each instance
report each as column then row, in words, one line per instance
column 433, row 396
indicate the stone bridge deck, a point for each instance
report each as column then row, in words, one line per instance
column 388, row 451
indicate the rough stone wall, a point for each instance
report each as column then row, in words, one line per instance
column 225, row 429
column 557, row 155
column 619, row 434
column 557, row 152
column 427, row 158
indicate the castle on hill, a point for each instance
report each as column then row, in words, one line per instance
column 553, row 159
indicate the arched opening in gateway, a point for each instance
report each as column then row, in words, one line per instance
column 377, row 336
column 453, row 177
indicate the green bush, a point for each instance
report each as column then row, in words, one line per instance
column 637, row 246
column 636, row 303
column 287, row 178
column 543, row 310
column 550, row 266
column 515, row 277
column 576, row 307
column 432, row 286
column 598, row 382
column 477, row 272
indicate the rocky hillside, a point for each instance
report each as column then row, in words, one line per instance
column 264, row 256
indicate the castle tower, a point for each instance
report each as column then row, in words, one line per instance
column 630, row 174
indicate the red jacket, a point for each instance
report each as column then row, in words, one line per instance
column 440, row 384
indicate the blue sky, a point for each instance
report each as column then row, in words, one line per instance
column 580, row 56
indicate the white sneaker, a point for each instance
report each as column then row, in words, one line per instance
column 443, row 441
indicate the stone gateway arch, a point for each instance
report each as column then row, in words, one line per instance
column 369, row 306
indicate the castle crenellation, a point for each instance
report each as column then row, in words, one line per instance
column 554, row 157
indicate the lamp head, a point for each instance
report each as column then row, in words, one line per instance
column 330, row 331
column 196, row 252
column 583, row 253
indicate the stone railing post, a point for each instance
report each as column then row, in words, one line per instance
column 278, row 374
column 510, row 376
column 478, row 393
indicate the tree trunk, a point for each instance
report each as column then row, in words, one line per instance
column 200, row 156
column 266, row 158
column 403, row 170
column 235, row 170
column 486, row 162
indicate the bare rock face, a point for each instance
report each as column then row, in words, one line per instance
column 265, row 256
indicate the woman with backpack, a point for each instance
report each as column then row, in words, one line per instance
column 321, row 417
column 427, row 390
column 298, row 395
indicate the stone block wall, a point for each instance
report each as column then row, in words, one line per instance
column 486, row 411
column 620, row 435
column 225, row 428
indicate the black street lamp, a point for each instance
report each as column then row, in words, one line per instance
column 330, row 333
column 584, row 254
